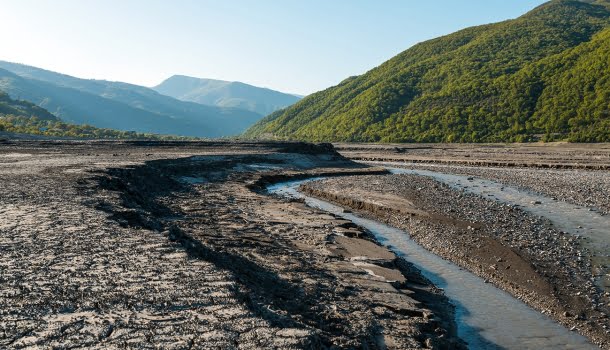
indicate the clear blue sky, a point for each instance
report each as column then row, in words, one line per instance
column 297, row 46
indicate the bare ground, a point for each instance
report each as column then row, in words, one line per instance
column 173, row 245
column 558, row 155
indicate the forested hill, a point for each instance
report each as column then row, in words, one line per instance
column 543, row 75
column 17, row 108
column 22, row 119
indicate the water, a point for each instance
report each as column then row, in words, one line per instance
column 592, row 227
column 487, row 317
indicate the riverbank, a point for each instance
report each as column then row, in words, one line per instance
column 587, row 188
column 176, row 245
column 555, row 155
column 520, row 253
column 478, row 303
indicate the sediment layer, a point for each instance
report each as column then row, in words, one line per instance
column 174, row 245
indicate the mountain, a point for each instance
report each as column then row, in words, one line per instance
column 543, row 75
column 25, row 120
column 119, row 105
column 225, row 94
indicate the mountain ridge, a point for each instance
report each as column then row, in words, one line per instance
column 456, row 88
column 119, row 105
column 21, row 119
column 224, row 93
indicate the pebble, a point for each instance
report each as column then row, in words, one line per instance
column 515, row 228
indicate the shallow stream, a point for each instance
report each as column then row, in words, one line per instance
column 487, row 317
column 591, row 227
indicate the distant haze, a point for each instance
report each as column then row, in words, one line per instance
column 222, row 93
column 119, row 105
column 292, row 46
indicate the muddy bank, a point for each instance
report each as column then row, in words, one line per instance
column 520, row 253
column 111, row 245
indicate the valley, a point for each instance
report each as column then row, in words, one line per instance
column 438, row 176
column 230, row 109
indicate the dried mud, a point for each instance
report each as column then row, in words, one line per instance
column 174, row 245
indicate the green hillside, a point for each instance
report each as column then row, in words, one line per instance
column 119, row 105
column 17, row 108
column 222, row 93
column 542, row 75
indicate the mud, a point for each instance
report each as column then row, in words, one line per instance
column 174, row 245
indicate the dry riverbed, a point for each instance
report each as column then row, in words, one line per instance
column 176, row 245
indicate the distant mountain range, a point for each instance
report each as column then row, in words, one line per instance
column 543, row 75
column 222, row 93
column 119, row 105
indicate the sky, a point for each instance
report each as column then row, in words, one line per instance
column 296, row 46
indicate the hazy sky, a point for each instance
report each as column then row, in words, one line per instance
column 297, row 46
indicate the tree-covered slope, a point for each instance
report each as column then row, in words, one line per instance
column 26, row 109
column 543, row 73
column 225, row 94
column 119, row 105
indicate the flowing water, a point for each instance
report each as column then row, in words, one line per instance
column 487, row 317
column 592, row 227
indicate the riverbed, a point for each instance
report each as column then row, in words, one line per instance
column 589, row 226
column 487, row 317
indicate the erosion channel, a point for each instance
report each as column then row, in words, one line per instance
column 487, row 317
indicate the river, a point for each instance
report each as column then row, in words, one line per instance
column 487, row 317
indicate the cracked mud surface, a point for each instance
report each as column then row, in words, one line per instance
column 173, row 245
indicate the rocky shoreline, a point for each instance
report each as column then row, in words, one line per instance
column 581, row 187
column 520, row 253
